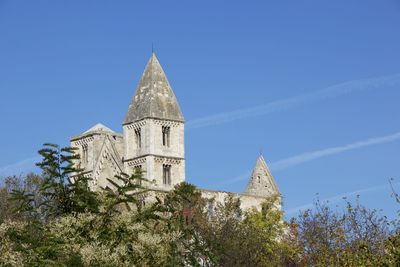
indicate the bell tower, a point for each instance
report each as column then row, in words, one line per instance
column 153, row 130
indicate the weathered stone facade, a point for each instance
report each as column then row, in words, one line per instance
column 153, row 141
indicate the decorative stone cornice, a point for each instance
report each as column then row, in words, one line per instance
column 140, row 123
column 167, row 160
column 136, row 125
column 157, row 158
column 136, row 162
column 167, row 123
column 83, row 141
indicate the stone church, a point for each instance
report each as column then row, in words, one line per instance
column 153, row 141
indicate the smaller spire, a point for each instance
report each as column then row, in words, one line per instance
column 261, row 182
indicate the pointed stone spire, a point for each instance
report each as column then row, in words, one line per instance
column 261, row 182
column 153, row 97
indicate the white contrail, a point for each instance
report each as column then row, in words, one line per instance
column 243, row 176
column 23, row 166
column 308, row 156
column 338, row 198
column 328, row 92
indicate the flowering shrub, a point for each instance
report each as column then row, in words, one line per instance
column 55, row 220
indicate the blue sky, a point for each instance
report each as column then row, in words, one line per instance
column 313, row 85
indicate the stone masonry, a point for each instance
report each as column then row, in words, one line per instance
column 153, row 142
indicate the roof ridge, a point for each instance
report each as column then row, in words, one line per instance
column 99, row 127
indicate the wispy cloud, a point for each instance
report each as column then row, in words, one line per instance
column 325, row 93
column 340, row 197
column 348, row 87
column 308, row 156
column 23, row 166
column 243, row 176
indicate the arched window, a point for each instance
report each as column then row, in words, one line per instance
column 166, row 174
column 138, row 171
column 165, row 135
column 85, row 154
column 138, row 138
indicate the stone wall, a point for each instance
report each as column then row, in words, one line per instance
column 152, row 154
column 247, row 202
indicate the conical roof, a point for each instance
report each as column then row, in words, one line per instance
column 153, row 97
column 261, row 182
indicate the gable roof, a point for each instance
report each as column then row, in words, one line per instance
column 108, row 157
column 99, row 128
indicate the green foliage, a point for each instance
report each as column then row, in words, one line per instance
column 355, row 237
column 65, row 188
column 246, row 239
column 54, row 219
column 61, row 222
column 124, row 190
column 184, row 210
column 19, row 186
column 62, row 189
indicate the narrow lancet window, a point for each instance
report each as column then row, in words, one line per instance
column 165, row 135
column 210, row 208
column 138, row 137
column 166, row 174
column 138, row 173
column 85, row 156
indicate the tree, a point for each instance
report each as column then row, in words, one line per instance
column 185, row 213
column 29, row 183
column 59, row 221
column 249, row 238
column 355, row 237
column 62, row 220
